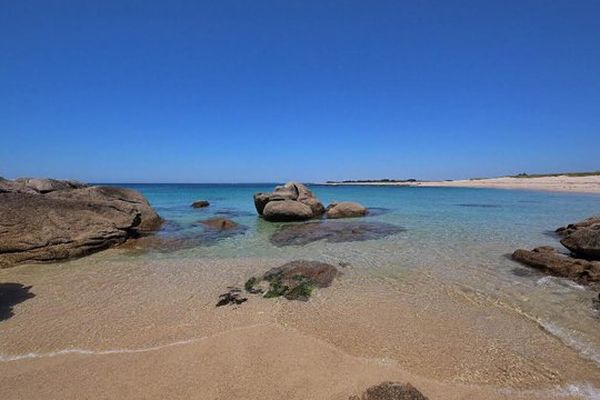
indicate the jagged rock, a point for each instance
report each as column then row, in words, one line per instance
column 49, row 220
column 345, row 209
column 582, row 238
column 294, row 280
column 200, row 204
column 294, row 196
column 391, row 391
column 547, row 259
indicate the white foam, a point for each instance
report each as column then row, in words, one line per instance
column 571, row 339
column 64, row 352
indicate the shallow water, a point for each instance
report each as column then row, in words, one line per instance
column 445, row 269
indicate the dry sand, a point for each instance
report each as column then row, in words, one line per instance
column 149, row 329
column 563, row 183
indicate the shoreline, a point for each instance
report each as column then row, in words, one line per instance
column 563, row 183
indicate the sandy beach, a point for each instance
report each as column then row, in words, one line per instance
column 176, row 344
column 563, row 183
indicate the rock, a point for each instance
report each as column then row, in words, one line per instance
column 583, row 238
column 294, row 194
column 345, row 209
column 200, row 204
column 50, row 220
column 37, row 185
column 219, row 223
column 571, row 228
column 546, row 258
column 332, row 232
column 287, row 210
column 391, row 391
column 294, row 280
column 233, row 297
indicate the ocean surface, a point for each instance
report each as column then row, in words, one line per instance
column 449, row 301
column 461, row 235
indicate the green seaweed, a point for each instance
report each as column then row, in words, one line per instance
column 249, row 285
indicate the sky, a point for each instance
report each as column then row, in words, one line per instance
column 264, row 91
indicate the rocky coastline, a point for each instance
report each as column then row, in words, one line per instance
column 44, row 220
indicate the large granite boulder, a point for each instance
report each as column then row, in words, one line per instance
column 287, row 210
column 49, row 220
column 345, row 209
column 582, row 238
column 548, row 260
column 297, row 203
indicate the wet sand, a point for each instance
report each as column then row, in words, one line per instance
column 575, row 184
column 132, row 327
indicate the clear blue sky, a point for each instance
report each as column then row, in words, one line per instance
column 241, row 91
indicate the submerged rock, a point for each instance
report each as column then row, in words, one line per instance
column 295, row 280
column 290, row 202
column 200, row 204
column 547, row 259
column 49, row 220
column 332, row 231
column 219, row 223
column 582, row 238
column 391, row 391
column 346, row 209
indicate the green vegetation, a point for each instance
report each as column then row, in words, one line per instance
column 297, row 287
column 574, row 174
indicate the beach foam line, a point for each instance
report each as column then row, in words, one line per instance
column 65, row 352
column 569, row 339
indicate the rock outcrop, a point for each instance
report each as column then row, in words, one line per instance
column 548, row 260
column 391, row 391
column 50, row 220
column 345, row 209
column 582, row 265
column 582, row 238
column 290, row 202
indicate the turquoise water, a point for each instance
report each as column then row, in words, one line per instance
column 447, row 216
column 458, row 238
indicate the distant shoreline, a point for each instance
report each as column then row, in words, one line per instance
column 589, row 183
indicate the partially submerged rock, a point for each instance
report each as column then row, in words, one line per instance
column 391, row 391
column 345, row 209
column 290, row 202
column 295, row 280
column 547, row 259
column 50, row 220
column 332, row 231
column 582, row 238
column 200, row 204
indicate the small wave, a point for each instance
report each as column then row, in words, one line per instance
column 569, row 338
column 552, row 280
column 34, row 355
